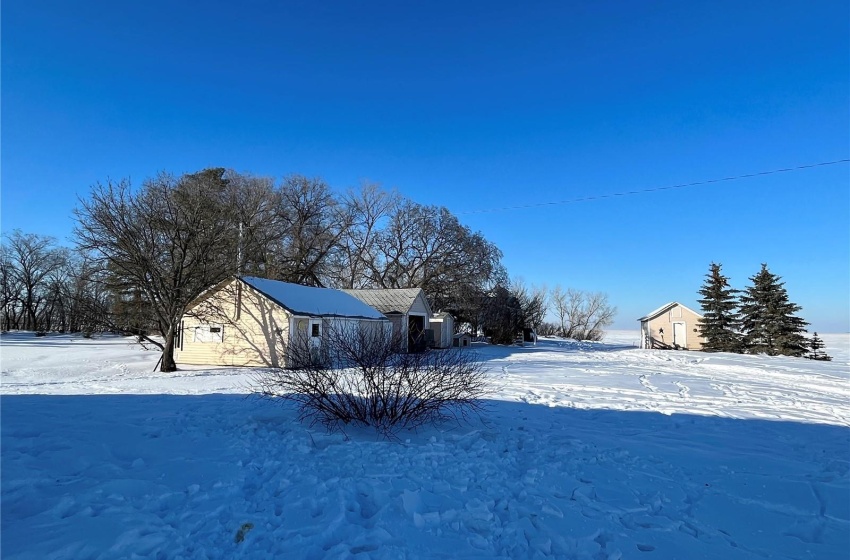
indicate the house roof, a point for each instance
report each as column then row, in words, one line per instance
column 398, row 300
column 312, row 302
column 665, row 308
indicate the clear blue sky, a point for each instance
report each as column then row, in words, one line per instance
column 471, row 105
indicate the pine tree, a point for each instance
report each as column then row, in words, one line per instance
column 768, row 319
column 815, row 347
column 720, row 320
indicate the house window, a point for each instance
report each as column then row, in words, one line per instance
column 316, row 330
column 208, row 333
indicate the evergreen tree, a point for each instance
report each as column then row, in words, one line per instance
column 720, row 320
column 815, row 347
column 503, row 316
column 768, row 319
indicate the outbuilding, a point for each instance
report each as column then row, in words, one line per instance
column 672, row 326
column 462, row 340
column 408, row 311
column 250, row 321
column 443, row 325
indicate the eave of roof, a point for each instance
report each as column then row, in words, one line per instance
column 664, row 308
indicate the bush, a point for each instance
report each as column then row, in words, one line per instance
column 358, row 378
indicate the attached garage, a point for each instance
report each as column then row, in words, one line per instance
column 406, row 308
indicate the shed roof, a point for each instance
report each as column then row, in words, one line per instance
column 664, row 308
column 397, row 300
column 310, row 301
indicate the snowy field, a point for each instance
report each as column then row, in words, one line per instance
column 586, row 451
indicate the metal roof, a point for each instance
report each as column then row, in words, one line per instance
column 398, row 300
column 313, row 302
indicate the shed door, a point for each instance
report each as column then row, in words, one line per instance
column 679, row 335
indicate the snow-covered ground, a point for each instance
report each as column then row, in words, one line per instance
column 589, row 451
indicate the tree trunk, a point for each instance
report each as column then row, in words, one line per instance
column 168, row 363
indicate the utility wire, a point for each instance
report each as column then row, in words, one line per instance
column 655, row 189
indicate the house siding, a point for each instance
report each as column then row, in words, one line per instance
column 399, row 326
column 253, row 329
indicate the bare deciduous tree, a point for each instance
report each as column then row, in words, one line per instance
column 534, row 302
column 427, row 247
column 368, row 209
column 314, row 224
column 171, row 240
column 581, row 315
column 10, row 291
column 29, row 260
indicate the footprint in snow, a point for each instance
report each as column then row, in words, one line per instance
column 645, row 382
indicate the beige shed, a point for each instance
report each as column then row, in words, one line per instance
column 406, row 308
column 671, row 326
column 251, row 321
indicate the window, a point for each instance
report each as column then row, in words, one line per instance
column 208, row 333
column 316, row 330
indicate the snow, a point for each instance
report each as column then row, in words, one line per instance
column 317, row 302
column 587, row 451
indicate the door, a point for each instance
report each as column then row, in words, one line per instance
column 315, row 332
column 415, row 333
column 679, row 335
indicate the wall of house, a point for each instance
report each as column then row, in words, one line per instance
column 253, row 329
column 399, row 326
column 674, row 315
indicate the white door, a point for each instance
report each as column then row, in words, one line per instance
column 315, row 334
column 680, row 335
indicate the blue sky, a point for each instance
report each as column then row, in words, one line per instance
column 473, row 106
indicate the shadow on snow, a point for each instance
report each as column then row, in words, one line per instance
column 83, row 474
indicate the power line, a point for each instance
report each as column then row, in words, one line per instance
column 655, row 189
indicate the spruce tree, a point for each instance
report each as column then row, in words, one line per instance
column 720, row 320
column 768, row 318
column 815, row 347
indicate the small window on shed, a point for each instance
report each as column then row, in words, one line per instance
column 208, row 333
column 316, row 330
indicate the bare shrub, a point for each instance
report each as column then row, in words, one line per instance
column 358, row 378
